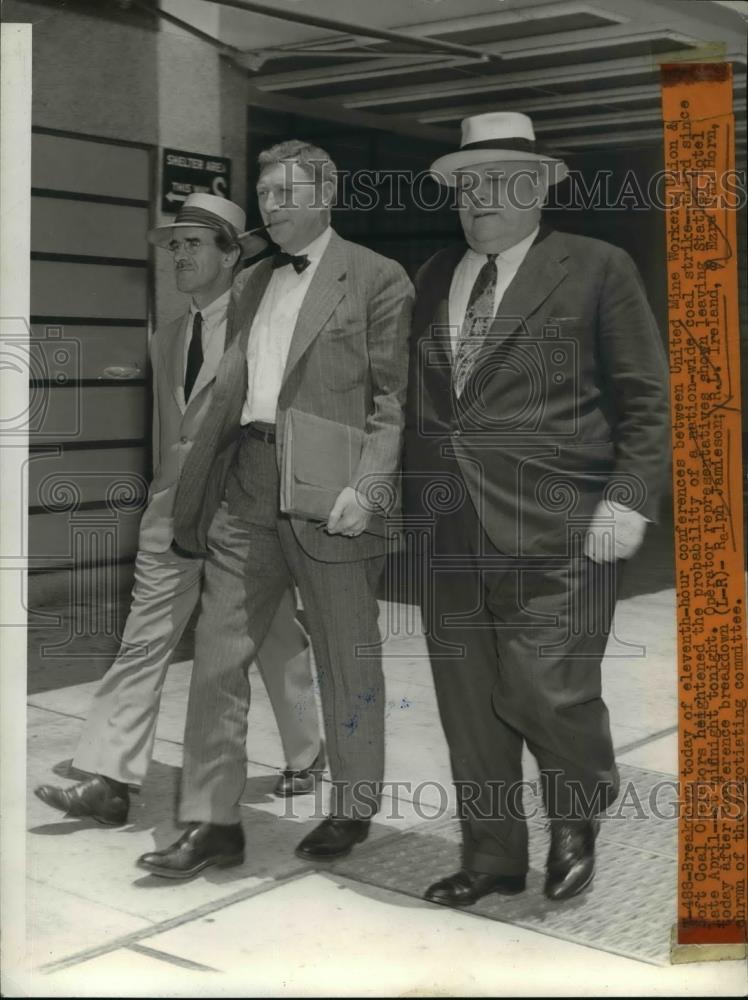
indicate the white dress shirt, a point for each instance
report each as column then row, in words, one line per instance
column 463, row 279
column 213, row 336
column 272, row 330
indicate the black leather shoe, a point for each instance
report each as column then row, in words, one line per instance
column 199, row 847
column 333, row 838
column 98, row 798
column 300, row 782
column 571, row 858
column 466, row 887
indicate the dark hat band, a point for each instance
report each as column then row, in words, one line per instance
column 515, row 145
column 202, row 217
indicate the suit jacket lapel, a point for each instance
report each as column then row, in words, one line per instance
column 231, row 325
column 249, row 300
column 539, row 274
column 326, row 289
column 437, row 306
column 232, row 372
column 173, row 353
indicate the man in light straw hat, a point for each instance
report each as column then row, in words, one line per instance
column 206, row 241
column 538, row 402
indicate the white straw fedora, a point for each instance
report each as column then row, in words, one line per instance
column 211, row 212
column 496, row 137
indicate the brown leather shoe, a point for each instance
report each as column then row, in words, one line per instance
column 201, row 846
column 301, row 782
column 571, row 858
column 333, row 838
column 466, row 887
column 103, row 799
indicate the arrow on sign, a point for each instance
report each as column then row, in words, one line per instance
column 175, row 197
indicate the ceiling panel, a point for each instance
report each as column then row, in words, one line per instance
column 513, row 94
column 546, row 61
column 602, row 56
column 553, row 23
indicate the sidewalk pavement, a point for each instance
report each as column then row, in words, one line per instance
column 276, row 926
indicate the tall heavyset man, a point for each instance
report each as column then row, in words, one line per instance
column 538, row 405
column 323, row 330
column 206, row 241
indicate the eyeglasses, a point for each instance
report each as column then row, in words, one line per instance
column 191, row 245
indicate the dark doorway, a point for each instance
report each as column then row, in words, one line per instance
column 383, row 184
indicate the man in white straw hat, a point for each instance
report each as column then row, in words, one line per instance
column 206, row 241
column 536, row 447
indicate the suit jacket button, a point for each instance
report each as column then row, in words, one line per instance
column 184, row 439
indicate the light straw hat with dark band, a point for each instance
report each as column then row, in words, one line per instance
column 211, row 212
column 496, row 137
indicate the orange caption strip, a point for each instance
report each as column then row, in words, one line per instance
column 702, row 198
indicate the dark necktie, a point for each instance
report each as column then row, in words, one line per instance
column 194, row 355
column 300, row 261
column 477, row 322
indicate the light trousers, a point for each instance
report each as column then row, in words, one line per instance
column 120, row 729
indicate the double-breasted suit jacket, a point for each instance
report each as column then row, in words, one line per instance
column 568, row 395
column 347, row 362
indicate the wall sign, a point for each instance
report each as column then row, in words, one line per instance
column 185, row 173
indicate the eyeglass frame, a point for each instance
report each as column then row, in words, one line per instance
column 174, row 246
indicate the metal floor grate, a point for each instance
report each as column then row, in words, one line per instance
column 629, row 909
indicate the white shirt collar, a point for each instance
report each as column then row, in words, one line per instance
column 214, row 309
column 317, row 247
column 513, row 254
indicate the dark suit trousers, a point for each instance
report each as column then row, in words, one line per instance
column 515, row 647
column 249, row 541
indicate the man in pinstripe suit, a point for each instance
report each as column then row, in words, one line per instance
column 323, row 329
column 116, row 744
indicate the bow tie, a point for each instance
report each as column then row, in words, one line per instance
column 299, row 261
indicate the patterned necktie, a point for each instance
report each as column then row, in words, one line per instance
column 477, row 322
column 194, row 355
column 300, row 261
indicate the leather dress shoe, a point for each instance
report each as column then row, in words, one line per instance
column 466, row 887
column 300, row 782
column 103, row 799
column 333, row 838
column 571, row 858
column 199, row 847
